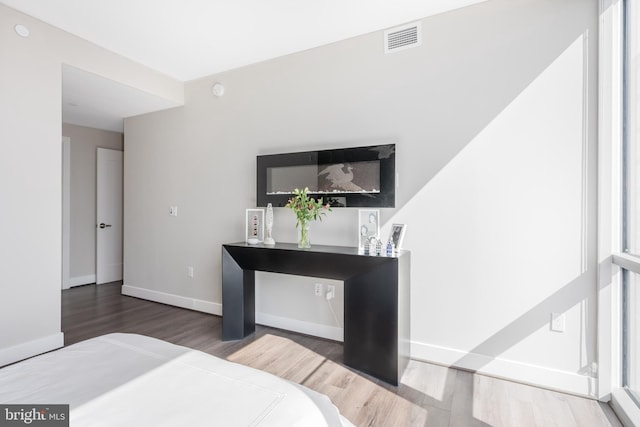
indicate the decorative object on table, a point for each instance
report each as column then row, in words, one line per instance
column 307, row 209
column 368, row 226
column 367, row 247
column 390, row 248
column 268, row 240
column 379, row 247
column 397, row 235
column 372, row 245
column 254, row 227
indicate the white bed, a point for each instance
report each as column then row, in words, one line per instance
column 134, row 380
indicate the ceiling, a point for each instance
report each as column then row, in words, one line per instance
column 94, row 101
column 189, row 39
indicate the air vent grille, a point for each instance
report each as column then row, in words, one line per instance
column 404, row 37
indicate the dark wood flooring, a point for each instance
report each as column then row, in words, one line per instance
column 430, row 395
column 89, row 311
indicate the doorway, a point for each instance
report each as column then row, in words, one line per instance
column 109, row 194
column 80, row 202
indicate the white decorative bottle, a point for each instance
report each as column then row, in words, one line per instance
column 268, row 240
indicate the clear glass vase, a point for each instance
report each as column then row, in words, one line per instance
column 303, row 235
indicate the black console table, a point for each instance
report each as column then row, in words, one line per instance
column 376, row 298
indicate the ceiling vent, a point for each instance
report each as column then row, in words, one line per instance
column 403, row 37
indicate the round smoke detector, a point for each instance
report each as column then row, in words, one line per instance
column 21, row 30
column 218, row 89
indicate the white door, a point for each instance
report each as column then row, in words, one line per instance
column 109, row 216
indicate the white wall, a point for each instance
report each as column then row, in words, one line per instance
column 84, row 142
column 494, row 118
column 30, row 172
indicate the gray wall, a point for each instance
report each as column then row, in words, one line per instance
column 84, row 142
column 494, row 118
column 31, row 170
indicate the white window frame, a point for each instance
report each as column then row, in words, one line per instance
column 610, row 260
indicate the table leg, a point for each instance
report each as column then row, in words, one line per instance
column 238, row 299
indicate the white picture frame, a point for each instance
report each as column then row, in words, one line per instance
column 368, row 225
column 397, row 235
column 254, row 226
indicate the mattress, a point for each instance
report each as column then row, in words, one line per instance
column 134, row 380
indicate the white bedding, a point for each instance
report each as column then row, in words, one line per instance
column 133, row 380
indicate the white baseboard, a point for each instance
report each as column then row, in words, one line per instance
column 175, row 300
column 314, row 329
column 564, row 381
column 28, row 349
column 82, row 280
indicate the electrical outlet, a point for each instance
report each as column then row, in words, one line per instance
column 331, row 292
column 557, row 322
column 319, row 290
column 190, row 272
column 173, row 210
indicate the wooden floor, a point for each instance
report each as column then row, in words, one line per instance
column 430, row 395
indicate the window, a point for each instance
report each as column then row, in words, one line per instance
column 631, row 200
column 631, row 235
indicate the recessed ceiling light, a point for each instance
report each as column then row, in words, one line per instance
column 21, row 30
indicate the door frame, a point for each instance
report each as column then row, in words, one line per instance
column 66, row 212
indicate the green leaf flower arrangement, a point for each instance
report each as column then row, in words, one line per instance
column 307, row 209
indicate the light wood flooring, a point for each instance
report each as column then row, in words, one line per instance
column 430, row 395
